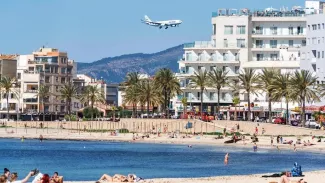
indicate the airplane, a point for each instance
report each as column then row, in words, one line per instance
column 161, row 24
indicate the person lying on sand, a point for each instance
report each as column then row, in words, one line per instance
column 118, row 178
column 285, row 179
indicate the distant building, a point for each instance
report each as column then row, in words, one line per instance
column 46, row 66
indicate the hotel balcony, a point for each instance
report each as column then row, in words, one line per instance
column 206, row 45
column 277, row 34
column 272, row 64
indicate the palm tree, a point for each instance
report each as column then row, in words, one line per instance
column 266, row 79
column 148, row 92
column 7, row 84
column 281, row 89
column 249, row 80
column 235, row 101
column 218, row 79
column 200, row 80
column 234, row 85
column 43, row 93
column 303, row 82
column 113, row 110
column 68, row 92
column 166, row 81
column 184, row 102
column 92, row 94
column 132, row 98
column 131, row 80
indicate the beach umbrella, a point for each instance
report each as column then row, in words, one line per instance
column 270, row 9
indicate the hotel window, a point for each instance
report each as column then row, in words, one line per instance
column 241, row 43
column 318, row 26
column 212, row 94
column 318, row 54
column 319, row 41
column 236, row 69
column 273, row 43
column 198, row 95
column 259, row 44
column 241, row 29
column 323, row 25
column 225, row 56
column 225, row 43
column 259, row 30
column 290, row 43
column 229, row 29
column 314, row 27
column 274, row 56
column 274, row 30
column 290, row 30
column 308, row 27
column 322, row 54
column 214, row 29
column 259, row 57
column 223, row 96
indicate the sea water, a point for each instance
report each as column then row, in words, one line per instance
column 81, row 160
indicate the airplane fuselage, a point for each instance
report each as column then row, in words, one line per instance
column 161, row 24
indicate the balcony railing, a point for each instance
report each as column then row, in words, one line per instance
column 209, row 44
column 31, row 91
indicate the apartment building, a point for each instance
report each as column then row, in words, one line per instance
column 110, row 90
column 313, row 54
column 243, row 39
column 8, row 67
column 49, row 67
column 314, row 7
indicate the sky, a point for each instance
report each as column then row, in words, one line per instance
column 93, row 29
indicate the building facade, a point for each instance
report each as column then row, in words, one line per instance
column 243, row 39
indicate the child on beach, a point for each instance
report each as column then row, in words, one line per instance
column 226, row 159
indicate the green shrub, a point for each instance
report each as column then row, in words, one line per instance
column 88, row 111
column 123, row 130
column 70, row 117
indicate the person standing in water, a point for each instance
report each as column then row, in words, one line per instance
column 226, row 158
column 255, row 147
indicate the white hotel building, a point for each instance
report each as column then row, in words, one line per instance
column 242, row 39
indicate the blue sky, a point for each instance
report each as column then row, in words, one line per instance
column 93, row 29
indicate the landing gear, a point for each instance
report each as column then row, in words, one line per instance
column 166, row 27
column 160, row 27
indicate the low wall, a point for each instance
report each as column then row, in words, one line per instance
column 132, row 124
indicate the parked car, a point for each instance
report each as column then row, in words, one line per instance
column 262, row 119
column 294, row 122
column 311, row 123
column 273, row 119
column 280, row 120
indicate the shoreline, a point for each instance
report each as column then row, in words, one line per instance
column 203, row 140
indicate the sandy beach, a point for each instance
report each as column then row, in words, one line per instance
column 310, row 177
column 289, row 133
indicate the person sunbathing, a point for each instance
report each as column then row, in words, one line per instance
column 285, row 179
column 14, row 177
column 117, row 178
column 56, row 178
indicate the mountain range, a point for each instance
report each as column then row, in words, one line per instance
column 114, row 69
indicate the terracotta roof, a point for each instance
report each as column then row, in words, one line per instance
column 8, row 57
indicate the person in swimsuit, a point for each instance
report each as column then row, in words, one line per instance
column 255, row 147
column 226, row 158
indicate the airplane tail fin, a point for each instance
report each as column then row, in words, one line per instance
column 147, row 19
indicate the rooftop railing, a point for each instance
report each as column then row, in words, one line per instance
column 268, row 12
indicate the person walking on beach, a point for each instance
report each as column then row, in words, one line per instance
column 255, row 147
column 294, row 147
column 226, row 158
column 272, row 140
column 256, row 130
